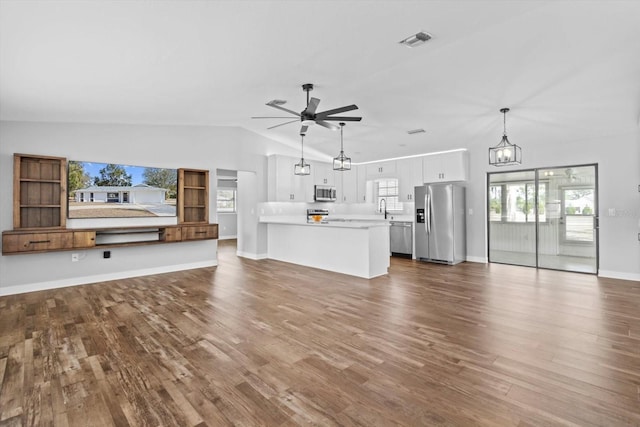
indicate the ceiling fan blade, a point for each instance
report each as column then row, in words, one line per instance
column 327, row 125
column 284, row 109
column 324, row 114
column 271, row 117
column 303, row 129
column 313, row 105
column 343, row 118
column 282, row 124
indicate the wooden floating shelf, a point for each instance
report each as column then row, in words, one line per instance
column 39, row 206
column 191, row 187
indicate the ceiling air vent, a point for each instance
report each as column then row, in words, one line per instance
column 416, row 39
column 414, row 131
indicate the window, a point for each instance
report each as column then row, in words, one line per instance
column 515, row 202
column 387, row 189
column 226, row 200
column 579, row 214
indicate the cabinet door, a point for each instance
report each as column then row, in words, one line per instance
column 171, row 234
column 84, row 239
column 302, row 190
column 280, row 179
column 409, row 176
column 347, row 186
column 381, row 170
column 362, row 195
column 323, row 174
column 446, row 167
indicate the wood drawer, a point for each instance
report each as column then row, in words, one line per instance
column 200, row 232
column 36, row 242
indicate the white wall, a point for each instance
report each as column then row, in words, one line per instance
column 227, row 226
column 157, row 146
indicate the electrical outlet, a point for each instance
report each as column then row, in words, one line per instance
column 75, row 257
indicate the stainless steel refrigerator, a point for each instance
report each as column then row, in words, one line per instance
column 440, row 231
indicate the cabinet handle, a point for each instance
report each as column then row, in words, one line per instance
column 30, row 242
column 201, row 232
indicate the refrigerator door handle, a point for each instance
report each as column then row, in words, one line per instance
column 427, row 210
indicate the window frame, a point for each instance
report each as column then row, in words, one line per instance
column 234, row 201
column 392, row 201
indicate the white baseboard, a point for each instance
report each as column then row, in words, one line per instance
column 227, row 237
column 618, row 275
column 251, row 255
column 75, row 281
column 480, row 259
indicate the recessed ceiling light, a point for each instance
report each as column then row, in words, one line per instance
column 414, row 131
column 416, row 39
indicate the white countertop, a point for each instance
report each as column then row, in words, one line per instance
column 335, row 223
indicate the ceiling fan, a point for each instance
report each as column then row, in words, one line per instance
column 308, row 116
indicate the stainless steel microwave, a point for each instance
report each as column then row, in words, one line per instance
column 324, row 193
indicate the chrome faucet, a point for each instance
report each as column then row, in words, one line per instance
column 385, row 207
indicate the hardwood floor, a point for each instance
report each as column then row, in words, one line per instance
column 269, row 343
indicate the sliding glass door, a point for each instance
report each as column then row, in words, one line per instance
column 544, row 218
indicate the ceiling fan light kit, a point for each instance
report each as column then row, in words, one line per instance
column 302, row 167
column 342, row 162
column 505, row 153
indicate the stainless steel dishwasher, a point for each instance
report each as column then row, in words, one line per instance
column 401, row 238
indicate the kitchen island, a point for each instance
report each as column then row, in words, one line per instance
column 357, row 248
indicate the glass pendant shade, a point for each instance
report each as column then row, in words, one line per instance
column 302, row 167
column 505, row 153
column 342, row 162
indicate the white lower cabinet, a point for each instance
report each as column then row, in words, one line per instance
column 446, row 167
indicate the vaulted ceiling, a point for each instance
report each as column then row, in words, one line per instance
column 567, row 69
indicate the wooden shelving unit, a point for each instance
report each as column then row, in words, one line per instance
column 40, row 212
column 39, row 191
column 193, row 196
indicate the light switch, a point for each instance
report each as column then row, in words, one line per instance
column 612, row 211
column 470, row 211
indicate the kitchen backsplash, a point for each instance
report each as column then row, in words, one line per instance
column 349, row 210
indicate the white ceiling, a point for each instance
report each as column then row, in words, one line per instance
column 567, row 69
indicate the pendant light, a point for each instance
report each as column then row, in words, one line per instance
column 302, row 167
column 342, row 162
column 505, row 153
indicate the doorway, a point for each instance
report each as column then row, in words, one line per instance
column 545, row 217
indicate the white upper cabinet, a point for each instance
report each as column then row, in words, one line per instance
column 362, row 195
column 323, row 173
column 381, row 170
column 409, row 176
column 446, row 167
column 283, row 185
column 347, row 186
